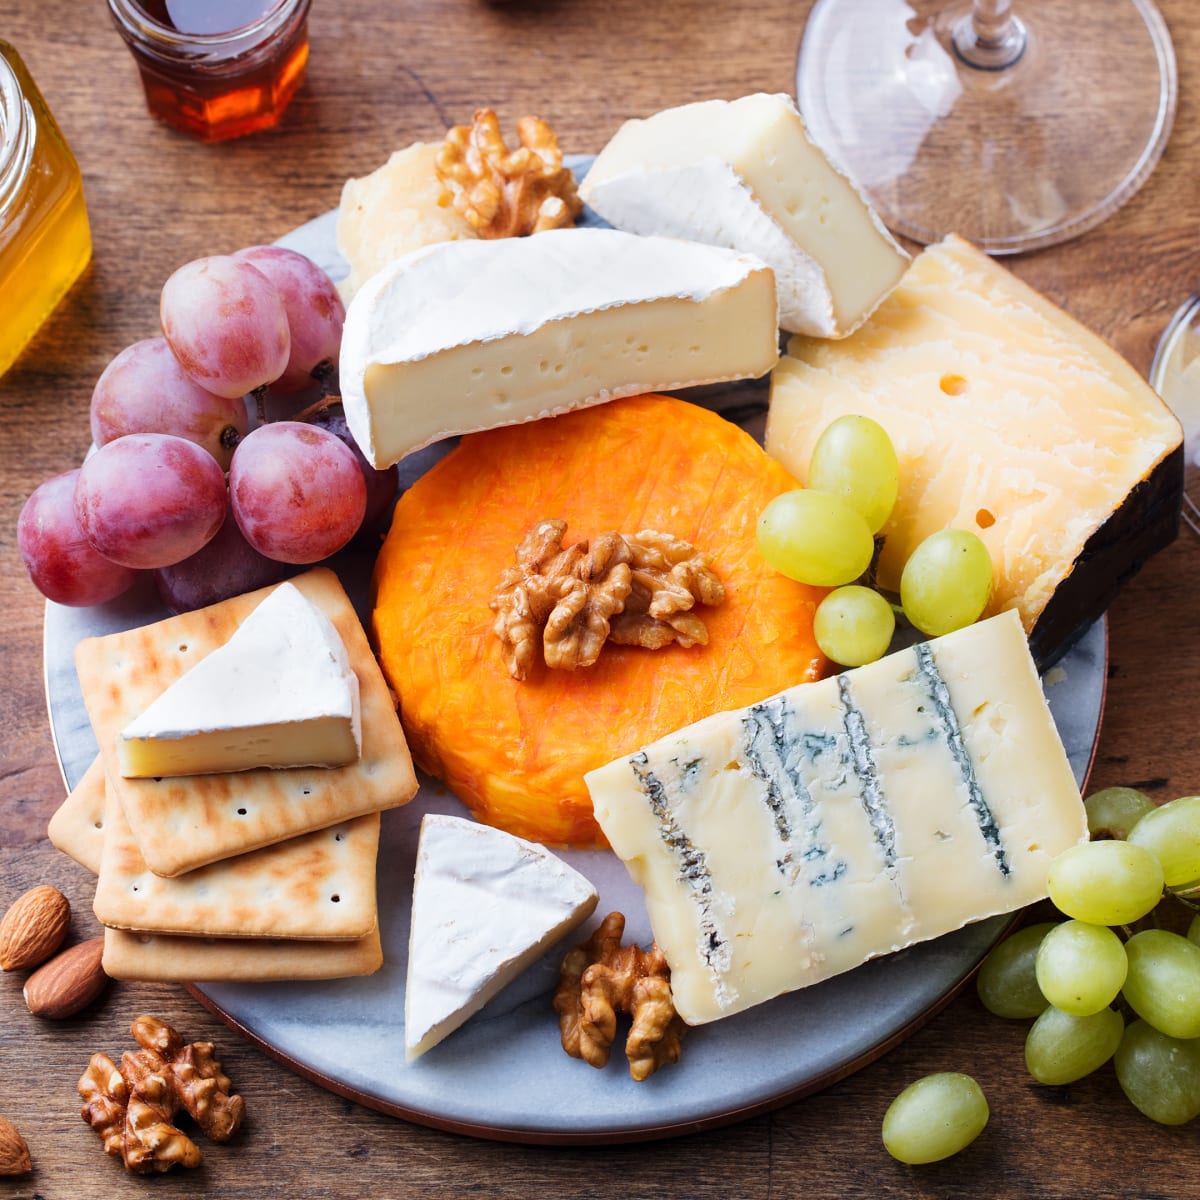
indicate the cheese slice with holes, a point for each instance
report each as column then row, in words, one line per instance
column 486, row 905
column 469, row 335
column 1009, row 419
column 745, row 174
column 783, row 843
column 280, row 693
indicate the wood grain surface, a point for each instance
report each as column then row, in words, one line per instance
column 382, row 74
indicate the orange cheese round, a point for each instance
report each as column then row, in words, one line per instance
column 516, row 752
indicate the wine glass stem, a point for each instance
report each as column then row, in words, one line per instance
column 989, row 37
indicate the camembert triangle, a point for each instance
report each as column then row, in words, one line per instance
column 745, row 174
column 279, row 693
column 486, row 905
column 469, row 335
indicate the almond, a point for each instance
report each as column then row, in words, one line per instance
column 68, row 983
column 14, row 1154
column 33, row 928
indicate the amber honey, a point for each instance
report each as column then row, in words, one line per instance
column 216, row 69
column 44, row 238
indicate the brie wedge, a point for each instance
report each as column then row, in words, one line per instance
column 486, row 905
column 280, row 693
column 468, row 335
column 744, row 174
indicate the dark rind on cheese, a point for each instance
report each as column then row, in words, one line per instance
column 1145, row 523
column 943, row 709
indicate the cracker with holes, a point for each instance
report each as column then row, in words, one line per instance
column 77, row 826
column 188, row 821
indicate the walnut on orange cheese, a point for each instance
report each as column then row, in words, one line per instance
column 516, row 752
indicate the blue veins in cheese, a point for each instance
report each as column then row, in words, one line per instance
column 486, row 905
column 279, row 693
column 784, row 843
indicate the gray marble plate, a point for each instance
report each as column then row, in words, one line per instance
column 504, row 1075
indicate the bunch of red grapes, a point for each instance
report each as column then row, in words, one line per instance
column 170, row 421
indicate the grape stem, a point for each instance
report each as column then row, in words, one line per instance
column 260, row 403
column 318, row 406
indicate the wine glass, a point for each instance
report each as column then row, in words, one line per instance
column 1015, row 127
column 1175, row 376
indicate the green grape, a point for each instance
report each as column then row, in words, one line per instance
column 1193, row 930
column 1105, row 883
column 935, row 1117
column 1080, row 967
column 1163, row 986
column 815, row 538
column 1062, row 1047
column 854, row 459
column 946, row 582
column 1159, row 1074
column 854, row 625
column 1007, row 980
column 1113, row 812
column 1172, row 834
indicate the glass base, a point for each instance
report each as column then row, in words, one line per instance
column 1011, row 155
column 1175, row 376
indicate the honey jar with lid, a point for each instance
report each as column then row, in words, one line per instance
column 45, row 242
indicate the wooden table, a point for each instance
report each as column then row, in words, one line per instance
column 383, row 74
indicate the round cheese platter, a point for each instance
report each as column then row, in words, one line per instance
column 503, row 1075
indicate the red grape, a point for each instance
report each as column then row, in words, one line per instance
column 150, row 499
column 381, row 485
column 61, row 562
column 226, row 324
column 145, row 390
column 315, row 313
column 297, row 492
column 226, row 566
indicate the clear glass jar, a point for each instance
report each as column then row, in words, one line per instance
column 45, row 241
column 217, row 85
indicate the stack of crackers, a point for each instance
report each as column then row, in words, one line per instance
column 256, row 875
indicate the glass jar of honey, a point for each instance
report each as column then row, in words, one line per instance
column 45, row 241
column 216, row 69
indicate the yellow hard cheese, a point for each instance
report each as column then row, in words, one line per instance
column 280, row 693
column 783, row 843
column 1010, row 420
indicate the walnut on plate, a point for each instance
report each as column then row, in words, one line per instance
column 635, row 589
column 502, row 192
column 133, row 1107
column 602, row 978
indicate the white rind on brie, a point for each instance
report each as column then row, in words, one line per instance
column 280, row 693
column 463, row 336
column 744, row 174
column 486, row 905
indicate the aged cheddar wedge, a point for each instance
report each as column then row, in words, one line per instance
column 744, row 174
column 279, row 693
column 468, row 335
column 517, row 752
column 486, row 905
column 1009, row 419
column 794, row 839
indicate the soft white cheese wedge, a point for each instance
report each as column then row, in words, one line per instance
column 486, row 905
column 468, row 335
column 280, row 693
column 745, row 174
column 786, row 842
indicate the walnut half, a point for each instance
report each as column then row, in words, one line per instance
column 633, row 589
column 507, row 193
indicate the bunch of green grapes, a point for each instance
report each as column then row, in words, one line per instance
column 824, row 535
column 1111, row 981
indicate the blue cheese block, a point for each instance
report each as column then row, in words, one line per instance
column 786, row 842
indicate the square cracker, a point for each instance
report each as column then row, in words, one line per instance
column 164, row 958
column 192, row 820
column 77, row 826
column 319, row 885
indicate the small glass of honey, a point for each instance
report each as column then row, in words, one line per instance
column 45, row 241
column 216, row 69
